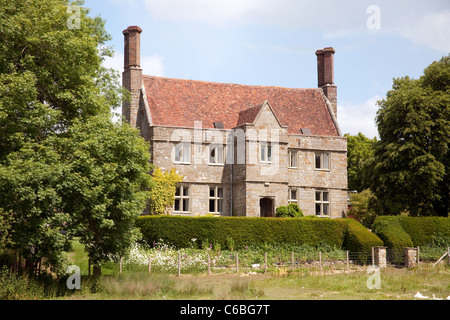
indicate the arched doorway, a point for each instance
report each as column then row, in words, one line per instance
column 266, row 207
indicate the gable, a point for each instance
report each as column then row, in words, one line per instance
column 175, row 102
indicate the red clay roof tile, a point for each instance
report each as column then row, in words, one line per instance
column 175, row 102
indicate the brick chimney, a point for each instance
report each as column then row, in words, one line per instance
column 132, row 74
column 325, row 73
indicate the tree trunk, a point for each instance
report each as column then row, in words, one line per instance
column 97, row 270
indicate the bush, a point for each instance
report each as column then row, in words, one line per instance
column 291, row 210
column 403, row 231
column 359, row 239
column 180, row 230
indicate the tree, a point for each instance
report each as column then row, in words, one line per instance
column 163, row 190
column 106, row 184
column 362, row 207
column 359, row 150
column 50, row 74
column 64, row 166
column 410, row 167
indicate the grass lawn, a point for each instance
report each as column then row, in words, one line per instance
column 305, row 283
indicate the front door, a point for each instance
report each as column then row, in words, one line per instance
column 266, row 207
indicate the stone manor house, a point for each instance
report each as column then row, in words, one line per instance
column 243, row 150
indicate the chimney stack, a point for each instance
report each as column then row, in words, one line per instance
column 325, row 73
column 132, row 74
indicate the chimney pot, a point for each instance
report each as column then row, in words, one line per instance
column 132, row 47
column 325, row 75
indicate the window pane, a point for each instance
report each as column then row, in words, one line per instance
column 324, row 196
column 177, row 192
column 293, row 194
column 211, row 192
column 177, row 153
column 317, row 209
column 317, row 195
column 293, row 159
column 219, row 192
column 219, row 158
column 269, row 153
column 186, row 153
column 220, row 205
column 263, row 152
column 212, row 206
column 185, row 204
column 185, row 191
column 176, row 205
column 325, row 208
column 212, row 155
column 317, row 161
column 325, row 161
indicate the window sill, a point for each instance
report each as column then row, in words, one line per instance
column 183, row 163
column 217, row 164
column 317, row 169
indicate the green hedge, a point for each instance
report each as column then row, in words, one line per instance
column 403, row 231
column 180, row 230
column 359, row 239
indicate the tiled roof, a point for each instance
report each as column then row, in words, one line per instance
column 175, row 102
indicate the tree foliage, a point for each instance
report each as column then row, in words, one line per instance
column 65, row 167
column 409, row 170
column 359, row 150
column 163, row 190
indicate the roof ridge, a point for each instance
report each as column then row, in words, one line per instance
column 227, row 83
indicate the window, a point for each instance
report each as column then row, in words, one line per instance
column 292, row 159
column 322, row 203
column 183, row 153
column 292, row 198
column 216, row 154
column 181, row 203
column 322, row 161
column 216, row 200
column 266, row 152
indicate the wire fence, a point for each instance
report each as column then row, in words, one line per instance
column 184, row 262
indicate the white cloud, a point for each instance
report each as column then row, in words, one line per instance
column 354, row 118
column 151, row 65
column 431, row 30
column 426, row 23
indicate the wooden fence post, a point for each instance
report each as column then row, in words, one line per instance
column 89, row 267
column 373, row 256
column 292, row 262
column 237, row 262
column 209, row 264
column 320, row 260
column 120, row 265
column 418, row 259
column 149, row 265
column 265, row 262
column 347, row 258
column 179, row 263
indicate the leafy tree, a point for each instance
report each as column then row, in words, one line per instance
column 410, row 167
column 163, row 190
column 359, row 150
column 106, row 184
column 363, row 207
column 65, row 168
column 50, row 74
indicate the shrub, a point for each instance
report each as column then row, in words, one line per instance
column 403, row 231
column 291, row 210
column 359, row 239
column 180, row 230
column 391, row 232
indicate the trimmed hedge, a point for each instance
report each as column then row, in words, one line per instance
column 403, row 231
column 180, row 230
column 359, row 239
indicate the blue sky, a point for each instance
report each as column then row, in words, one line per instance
column 273, row 42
